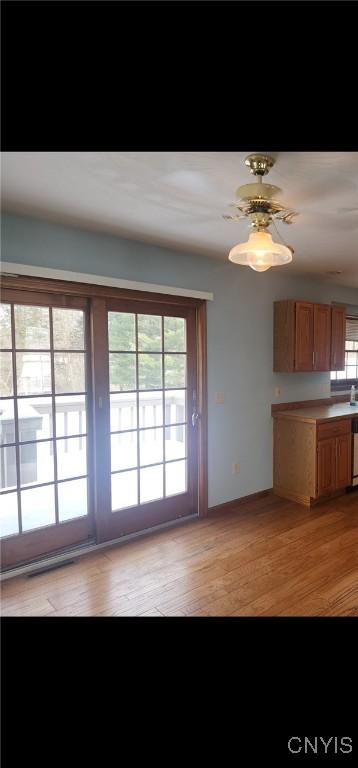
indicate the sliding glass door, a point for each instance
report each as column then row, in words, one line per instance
column 45, row 492
column 98, row 417
column 150, row 425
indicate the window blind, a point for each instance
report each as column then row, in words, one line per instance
column 352, row 328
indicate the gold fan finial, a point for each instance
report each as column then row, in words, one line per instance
column 259, row 164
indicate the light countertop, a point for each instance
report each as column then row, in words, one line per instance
column 320, row 413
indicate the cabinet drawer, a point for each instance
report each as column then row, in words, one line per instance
column 333, row 428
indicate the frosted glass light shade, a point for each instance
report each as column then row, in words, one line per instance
column 260, row 252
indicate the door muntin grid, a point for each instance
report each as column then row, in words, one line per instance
column 42, row 452
column 148, row 398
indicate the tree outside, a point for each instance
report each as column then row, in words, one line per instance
column 121, row 333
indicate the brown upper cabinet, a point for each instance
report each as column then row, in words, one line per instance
column 322, row 338
column 304, row 336
column 308, row 336
column 338, row 335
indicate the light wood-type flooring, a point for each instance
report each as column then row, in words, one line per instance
column 270, row 557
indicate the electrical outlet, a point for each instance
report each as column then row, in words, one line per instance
column 277, row 391
column 235, row 469
column 219, row 398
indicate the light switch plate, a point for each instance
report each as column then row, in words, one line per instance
column 219, row 398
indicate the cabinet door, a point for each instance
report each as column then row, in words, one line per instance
column 326, row 466
column 343, row 459
column 338, row 339
column 304, row 336
column 322, row 337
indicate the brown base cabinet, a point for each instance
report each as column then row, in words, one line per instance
column 343, row 460
column 333, row 463
column 326, row 466
column 311, row 460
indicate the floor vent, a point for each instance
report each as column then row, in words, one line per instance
column 50, row 567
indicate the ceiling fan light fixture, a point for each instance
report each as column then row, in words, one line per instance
column 256, row 202
column 260, row 252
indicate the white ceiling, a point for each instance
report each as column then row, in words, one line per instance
column 177, row 199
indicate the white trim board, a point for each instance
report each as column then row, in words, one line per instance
column 81, row 277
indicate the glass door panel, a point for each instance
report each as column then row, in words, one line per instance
column 152, row 385
column 43, row 427
column 147, row 401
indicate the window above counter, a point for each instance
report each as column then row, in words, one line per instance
column 343, row 380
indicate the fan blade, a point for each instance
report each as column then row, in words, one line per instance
column 227, row 217
column 288, row 217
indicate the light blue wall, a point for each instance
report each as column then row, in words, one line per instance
column 239, row 333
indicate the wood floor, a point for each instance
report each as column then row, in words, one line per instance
column 270, row 557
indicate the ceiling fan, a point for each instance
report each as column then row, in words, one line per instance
column 258, row 203
column 259, row 197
